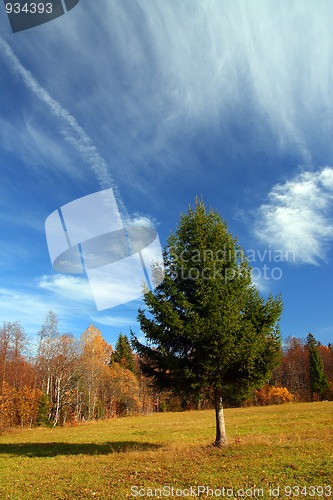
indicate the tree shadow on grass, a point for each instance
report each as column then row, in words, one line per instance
column 53, row 449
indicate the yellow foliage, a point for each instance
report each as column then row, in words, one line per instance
column 94, row 346
column 18, row 406
column 7, row 406
column 271, row 395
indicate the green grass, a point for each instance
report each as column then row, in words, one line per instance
column 282, row 446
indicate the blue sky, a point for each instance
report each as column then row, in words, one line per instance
column 162, row 101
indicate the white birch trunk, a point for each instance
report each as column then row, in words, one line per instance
column 221, row 435
column 57, row 412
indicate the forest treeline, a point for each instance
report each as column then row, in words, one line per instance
column 70, row 380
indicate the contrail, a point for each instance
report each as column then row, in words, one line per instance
column 70, row 129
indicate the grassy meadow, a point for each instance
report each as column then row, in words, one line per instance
column 277, row 446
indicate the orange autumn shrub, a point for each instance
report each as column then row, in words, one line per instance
column 271, row 395
column 19, row 406
column 7, row 406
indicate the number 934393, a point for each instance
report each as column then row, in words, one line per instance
column 29, row 8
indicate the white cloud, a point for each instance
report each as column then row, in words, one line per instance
column 66, row 295
column 116, row 321
column 111, row 289
column 198, row 63
column 166, row 69
column 298, row 216
column 70, row 297
column 40, row 150
column 72, row 132
column 73, row 288
column 30, row 307
column 262, row 283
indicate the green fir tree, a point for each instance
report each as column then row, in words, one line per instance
column 207, row 329
column 318, row 378
column 123, row 353
column 43, row 413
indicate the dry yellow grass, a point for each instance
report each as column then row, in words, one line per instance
column 270, row 447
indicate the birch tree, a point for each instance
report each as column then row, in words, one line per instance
column 48, row 335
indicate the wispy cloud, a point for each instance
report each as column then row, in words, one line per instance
column 166, row 71
column 203, row 63
column 39, row 149
column 69, row 292
column 115, row 320
column 23, row 306
column 68, row 287
column 69, row 297
column 77, row 291
column 30, row 306
column 298, row 216
column 72, row 132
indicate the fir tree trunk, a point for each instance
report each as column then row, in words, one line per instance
column 221, row 435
